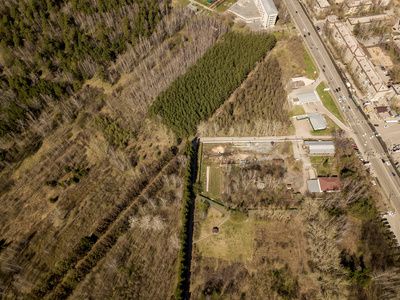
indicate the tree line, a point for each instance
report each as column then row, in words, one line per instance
column 195, row 96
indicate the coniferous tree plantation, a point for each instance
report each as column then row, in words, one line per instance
column 195, row 96
column 259, row 108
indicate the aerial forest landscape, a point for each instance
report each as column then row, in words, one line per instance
column 174, row 149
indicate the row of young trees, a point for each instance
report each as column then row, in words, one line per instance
column 60, row 282
column 195, row 96
column 187, row 202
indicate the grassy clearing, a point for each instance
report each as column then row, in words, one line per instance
column 214, row 218
column 297, row 110
column 233, row 242
column 286, row 148
column 215, row 182
column 324, row 165
column 328, row 101
column 183, row 2
column 310, row 66
column 330, row 129
column 225, row 5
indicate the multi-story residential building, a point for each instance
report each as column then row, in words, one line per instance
column 268, row 12
column 356, row 6
column 351, row 22
column 359, row 64
column 322, row 6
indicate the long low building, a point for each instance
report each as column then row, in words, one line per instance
column 320, row 147
column 361, row 67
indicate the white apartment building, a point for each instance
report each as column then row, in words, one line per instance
column 268, row 12
column 360, row 66
column 356, row 6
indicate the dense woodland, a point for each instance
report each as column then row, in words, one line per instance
column 195, row 96
column 259, row 108
column 50, row 47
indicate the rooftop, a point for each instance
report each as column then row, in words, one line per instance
column 355, row 3
column 245, row 9
column 269, row 7
column 368, row 68
column 307, row 97
column 313, row 186
column 374, row 78
column 381, row 109
column 317, row 121
column 367, row 19
column 328, row 184
column 321, row 147
column 323, row 3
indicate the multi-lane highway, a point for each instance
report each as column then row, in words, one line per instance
column 365, row 136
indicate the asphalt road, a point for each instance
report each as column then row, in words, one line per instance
column 372, row 150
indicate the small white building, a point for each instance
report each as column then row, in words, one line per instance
column 268, row 12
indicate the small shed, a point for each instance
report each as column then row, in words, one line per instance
column 215, row 230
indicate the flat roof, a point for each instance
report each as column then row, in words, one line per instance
column 308, row 97
column 355, row 3
column 321, row 147
column 323, row 3
column 245, row 9
column 317, row 121
column 313, row 186
column 269, row 7
column 367, row 19
column 363, row 61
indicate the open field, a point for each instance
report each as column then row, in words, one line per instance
column 297, row 110
column 324, row 165
column 233, row 242
column 328, row 102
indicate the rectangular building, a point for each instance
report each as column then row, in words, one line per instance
column 360, row 66
column 356, row 6
column 320, row 147
column 268, row 12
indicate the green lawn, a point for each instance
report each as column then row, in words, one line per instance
column 233, row 242
column 297, row 110
column 330, row 129
column 215, row 180
column 328, row 101
column 183, row 2
column 223, row 7
column 324, row 165
column 310, row 66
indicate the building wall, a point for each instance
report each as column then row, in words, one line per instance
column 266, row 20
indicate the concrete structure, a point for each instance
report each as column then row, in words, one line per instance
column 317, row 121
column 321, row 6
column 305, row 98
column 361, row 67
column 351, row 22
column 324, row 184
column 382, row 112
column 356, row 6
column 268, row 12
column 320, row 147
column 246, row 10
